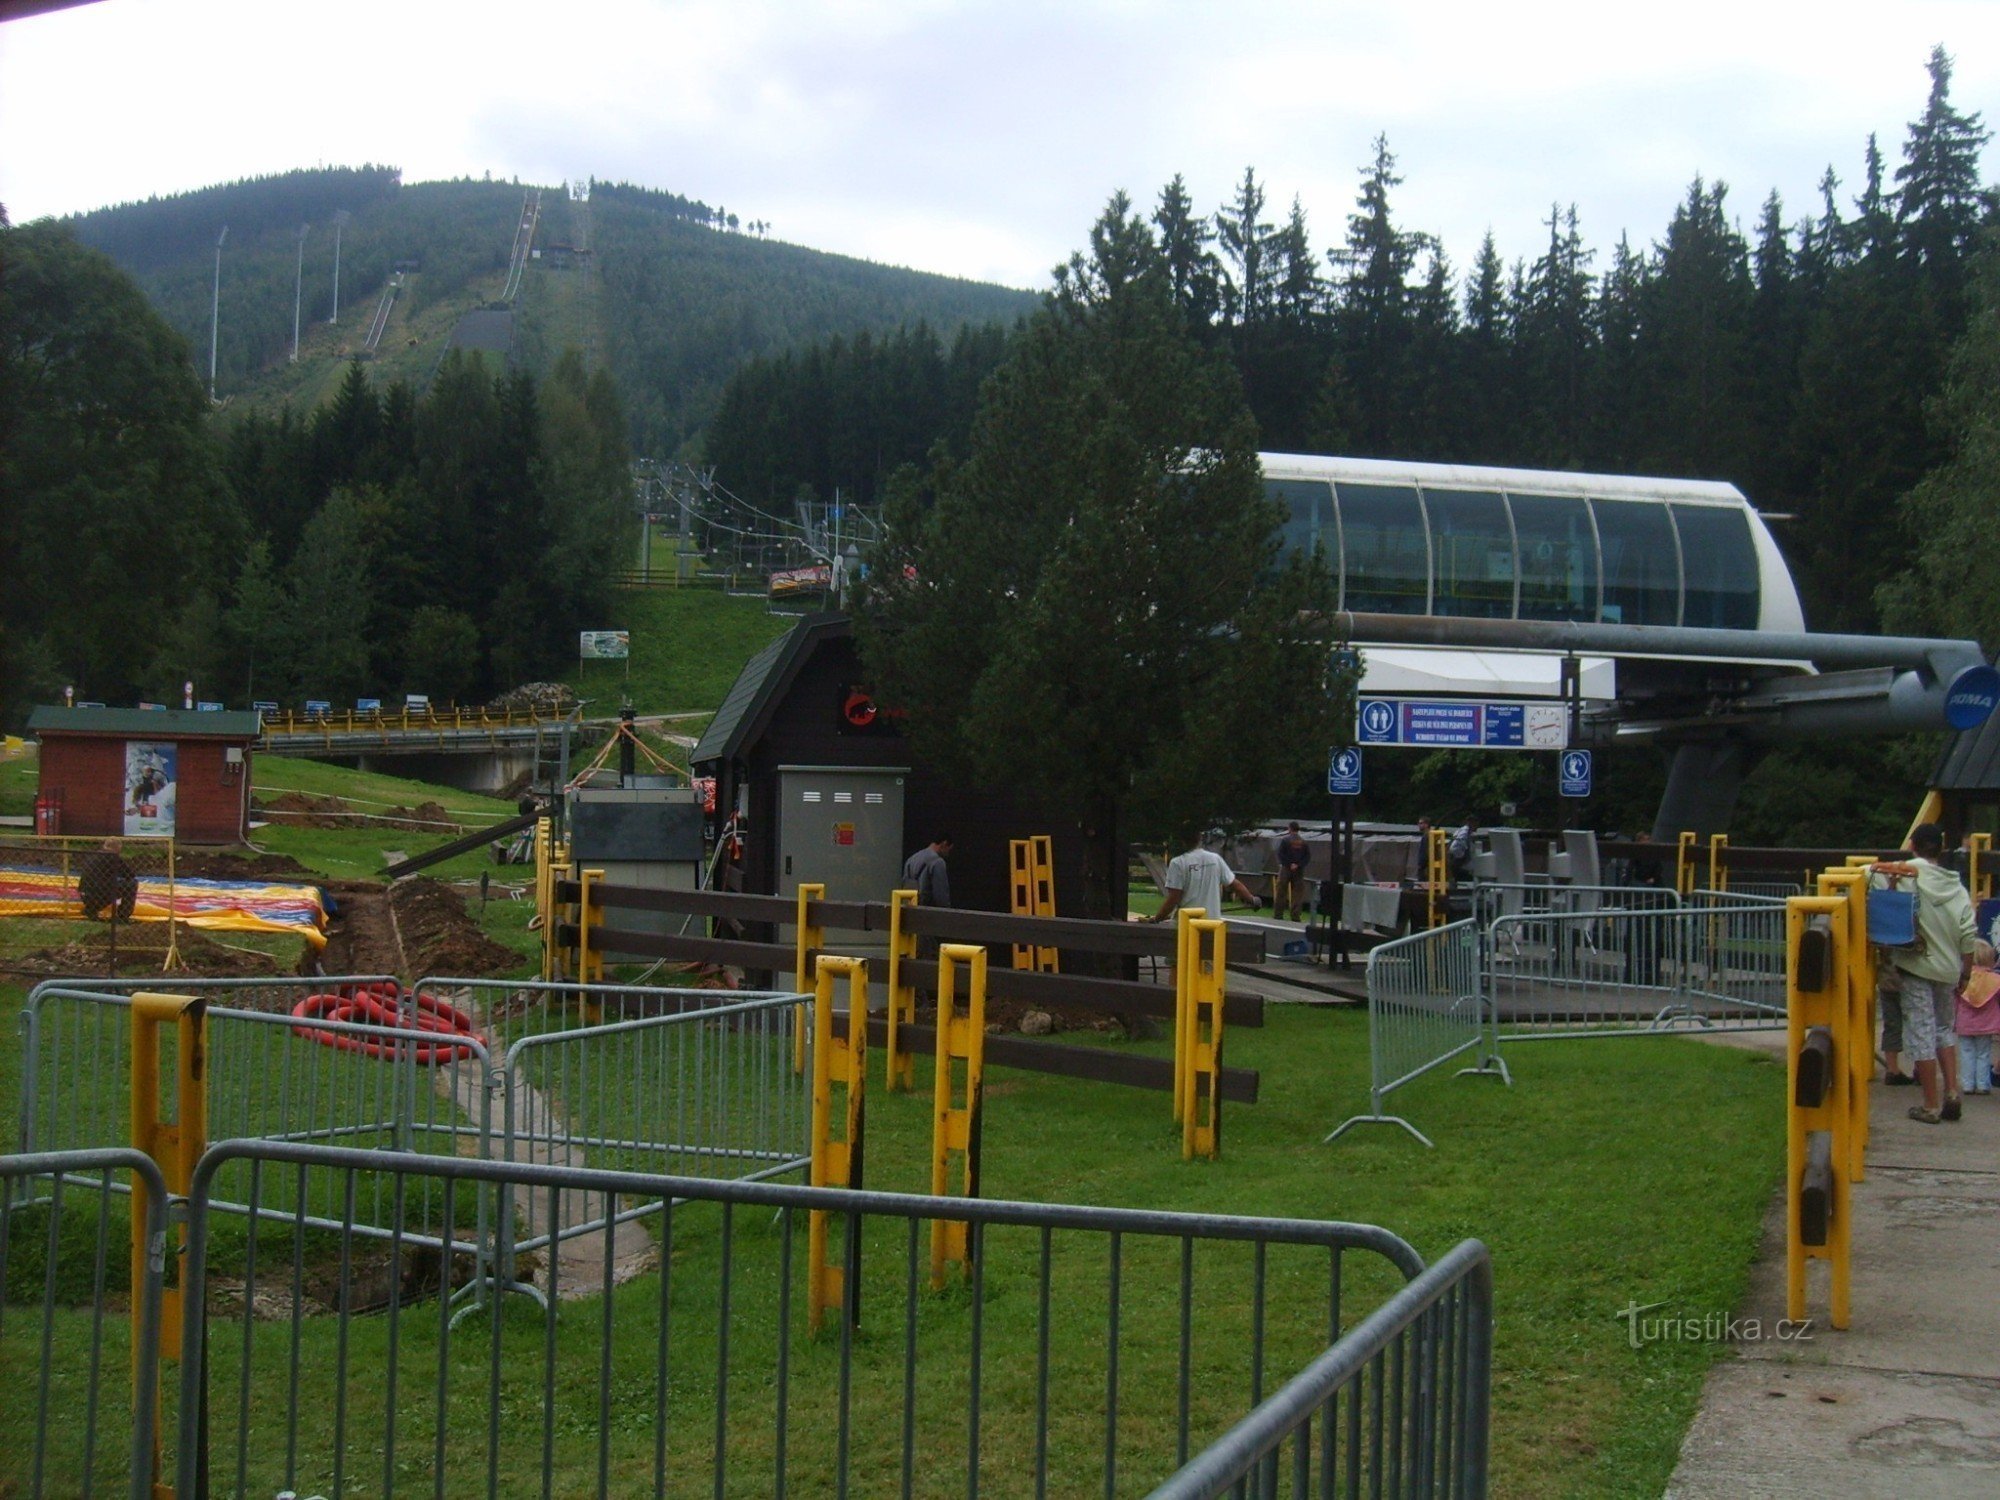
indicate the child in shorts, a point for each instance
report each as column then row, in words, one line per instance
column 1978, row 1022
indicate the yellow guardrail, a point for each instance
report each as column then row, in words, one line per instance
column 291, row 723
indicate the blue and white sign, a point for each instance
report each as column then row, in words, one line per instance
column 208, row 706
column 265, row 706
column 1343, row 773
column 368, row 705
column 1573, row 773
column 318, row 708
column 1462, row 724
column 1972, row 697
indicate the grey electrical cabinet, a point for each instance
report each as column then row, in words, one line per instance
column 646, row 834
column 841, row 827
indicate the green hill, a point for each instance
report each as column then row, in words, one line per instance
column 656, row 287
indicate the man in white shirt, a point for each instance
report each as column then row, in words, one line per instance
column 1197, row 880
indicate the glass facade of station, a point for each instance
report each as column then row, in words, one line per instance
column 1516, row 555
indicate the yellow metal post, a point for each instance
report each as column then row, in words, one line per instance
column 1819, row 1108
column 1042, row 874
column 1201, row 1110
column 899, row 1070
column 1979, row 865
column 1684, row 863
column 1021, row 894
column 808, row 940
column 545, row 898
column 175, row 1145
column 840, row 1061
column 589, row 963
column 1851, row 886
column 1183, row 1003
column 173, row 959
column 1931, row 810
column 1718, row 861
column 1437, row 874
column 961, row 1038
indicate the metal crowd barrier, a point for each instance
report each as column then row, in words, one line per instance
column 81, row 1412
column 700, row 1086
column 1402, row 1403
column 1493, row 900
column 75, row 1048
column 1717, row 963
column 693, row 1083
column 271, row 1076
column 1090, row 1350
column 1425, row 1007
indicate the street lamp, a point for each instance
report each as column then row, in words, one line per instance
column 298, row 291
column 340, row 218
column 215, row 310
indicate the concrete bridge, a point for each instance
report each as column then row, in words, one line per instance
column 475, row 749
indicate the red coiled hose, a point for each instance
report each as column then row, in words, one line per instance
column 383, row 1005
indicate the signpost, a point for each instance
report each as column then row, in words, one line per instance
column 1343, row 773
column 607, row 645
column 1573, row 773
column 1462, row 724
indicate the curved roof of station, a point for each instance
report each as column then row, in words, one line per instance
column 1536, row 544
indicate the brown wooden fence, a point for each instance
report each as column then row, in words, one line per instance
column 998, row 931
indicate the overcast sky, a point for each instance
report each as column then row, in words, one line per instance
column 982, row 139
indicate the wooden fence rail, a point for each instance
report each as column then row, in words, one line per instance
column 997, row 930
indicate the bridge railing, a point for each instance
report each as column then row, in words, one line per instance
column 288, row 724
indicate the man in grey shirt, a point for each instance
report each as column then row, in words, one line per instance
column 925, row 872
column 1198, row 880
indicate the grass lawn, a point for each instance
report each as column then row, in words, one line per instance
column 687, row 647
column 17, row 784
column 357, row 853
column 1611, row 1172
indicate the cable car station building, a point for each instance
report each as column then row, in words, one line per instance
column 1661, row 608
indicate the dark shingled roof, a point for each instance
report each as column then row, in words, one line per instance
column 1971, row 761
column 763, row 680
column 147, row 723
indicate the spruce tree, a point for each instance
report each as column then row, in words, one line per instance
column 1939, row 199
column 1091, row 608
column 1193, row 273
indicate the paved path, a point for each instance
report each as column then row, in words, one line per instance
column 1906, row 1402
column 542, row 1131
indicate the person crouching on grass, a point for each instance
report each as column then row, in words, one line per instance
column 1978, row 1022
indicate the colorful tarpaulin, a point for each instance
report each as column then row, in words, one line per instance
column 219, row 905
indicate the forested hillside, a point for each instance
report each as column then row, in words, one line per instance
column 684, row 306
column 455, row 232
column 449, row 541
column 678, row 293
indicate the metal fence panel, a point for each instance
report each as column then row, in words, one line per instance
column 271, row 1076
column 1717, row 964
column 1088, row 1350
column 75, row 1049
column 80, row 1414
column 1425, row 1008
column 1400, row 1406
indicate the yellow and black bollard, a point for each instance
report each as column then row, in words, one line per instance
column 961, row 1069
column 175, row 1145
column 839, row 1062
column 1819, row 1115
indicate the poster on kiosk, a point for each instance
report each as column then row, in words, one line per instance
column 149, row 789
